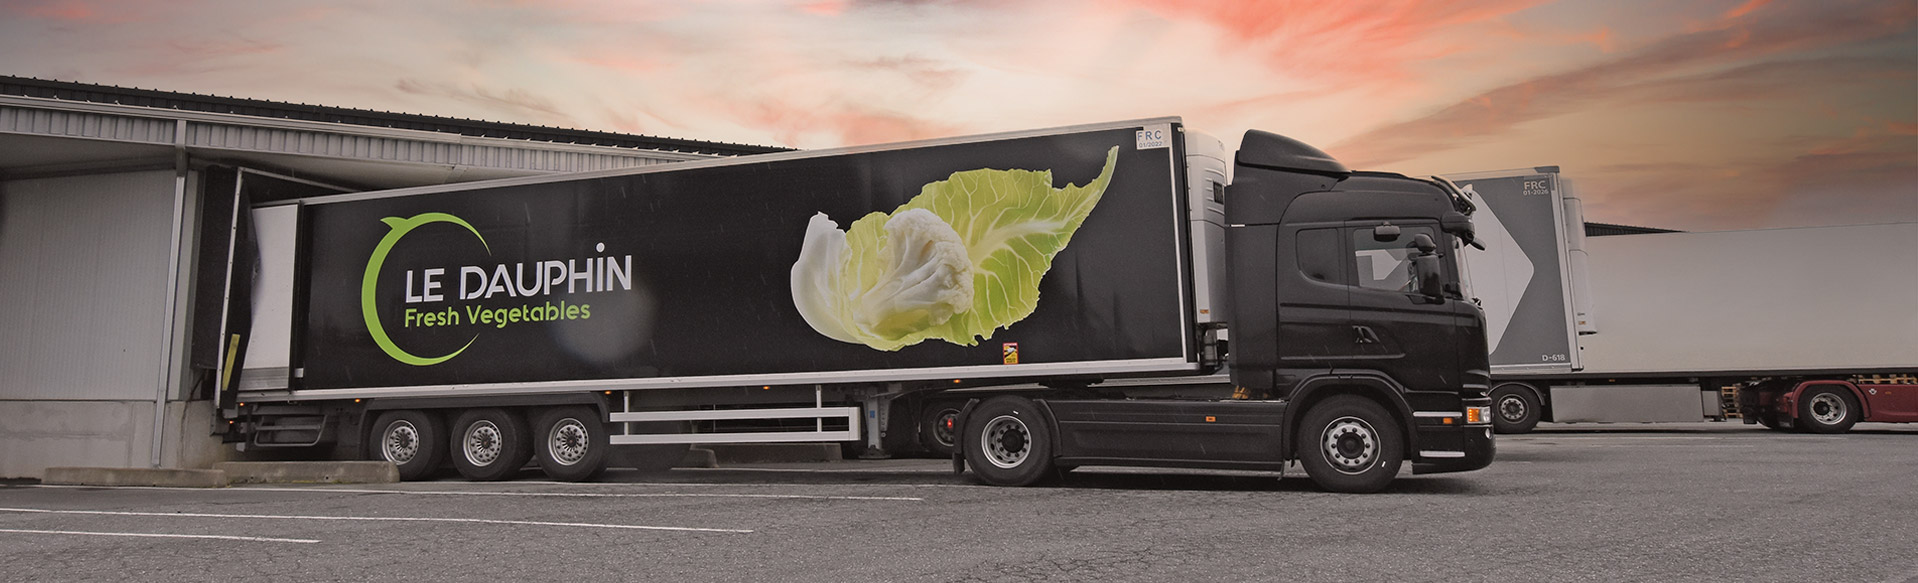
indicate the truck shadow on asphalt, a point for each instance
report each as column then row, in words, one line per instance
column 1227, row 483
column 1088, row 479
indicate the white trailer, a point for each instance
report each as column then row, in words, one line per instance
column 1815, row 326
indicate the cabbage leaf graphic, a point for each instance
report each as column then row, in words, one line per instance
column 957, row 262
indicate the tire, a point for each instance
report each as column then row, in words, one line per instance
column 570, row 443
column 1827, row 409
column 489, row 444
column 1515, row 409
column 411, row 439
column 1009, row 442
column 1350, row 444
column 934, row 432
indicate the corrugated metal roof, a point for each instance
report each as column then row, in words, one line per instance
column 87, row 92
column 209, row 133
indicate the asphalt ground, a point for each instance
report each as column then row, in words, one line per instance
column 1667, row 502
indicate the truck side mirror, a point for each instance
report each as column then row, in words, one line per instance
column 1460, row 225
column 1423, row 243
column 1431, row 283
column 1385, row 233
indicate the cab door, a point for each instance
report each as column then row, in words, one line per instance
column 1314, row 301
column 1395, row 329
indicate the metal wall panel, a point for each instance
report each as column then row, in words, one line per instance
column 83, row 269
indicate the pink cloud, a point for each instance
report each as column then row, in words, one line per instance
column 510, row 104
column 622, row 63
column 1660, row 66
column 1747, row 8
column 826, row 8
column 1862, row 178
column 68, row 10
column 1350, row 41
column 848, row 124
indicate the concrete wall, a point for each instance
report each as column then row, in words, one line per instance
column 88, row 342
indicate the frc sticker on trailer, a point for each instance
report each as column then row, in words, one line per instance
column 1154, row 136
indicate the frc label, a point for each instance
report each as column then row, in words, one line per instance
column 1155, row 136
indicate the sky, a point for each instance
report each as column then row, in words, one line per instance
column 1695, row 115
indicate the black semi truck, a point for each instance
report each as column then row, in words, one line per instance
column 1029, row 302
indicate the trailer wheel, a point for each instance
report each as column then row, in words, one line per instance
column 1827, row 409
column 1350, row 444
column 936, row 431
column 1009, row 442
column 1516, row 409
column 489, row 444
column 410, row 439
column 570, row 443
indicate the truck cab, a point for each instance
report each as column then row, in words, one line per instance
column 1347, row 284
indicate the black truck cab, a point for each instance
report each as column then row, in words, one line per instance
column 1346, row 286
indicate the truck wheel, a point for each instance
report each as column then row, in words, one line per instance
column 410, row 439
column 1350, row 444
column 1009, row 443
column 570, row 443
column 936, row 432
column 489, row 444
column 1515, row 408
column 1827, row 409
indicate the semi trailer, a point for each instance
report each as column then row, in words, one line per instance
column 1047, row 299
column 1794, row 328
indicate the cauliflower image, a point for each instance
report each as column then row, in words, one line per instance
column 957, row 262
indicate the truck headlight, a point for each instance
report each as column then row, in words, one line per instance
column 1478, row 414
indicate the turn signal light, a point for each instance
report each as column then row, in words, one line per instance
column 1478, row 414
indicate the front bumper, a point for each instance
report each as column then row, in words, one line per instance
column 1453, row 447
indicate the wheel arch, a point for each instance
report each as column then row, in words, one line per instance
column 1375, row 387
column 1797, row 394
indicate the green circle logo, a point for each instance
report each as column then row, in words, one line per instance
column 368, row 308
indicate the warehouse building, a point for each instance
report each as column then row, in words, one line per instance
column 116, row 215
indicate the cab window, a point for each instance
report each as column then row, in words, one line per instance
column 1386, row 265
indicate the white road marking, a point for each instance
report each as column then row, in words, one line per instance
column 160, row 535
column 525, row 494
column 375, row 518
column 594, row 494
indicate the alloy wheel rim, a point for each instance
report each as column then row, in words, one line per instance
column 1827, row 408
column 568, row 442
column 402, row 442
column 1006, row 441
column 482, row 443
column 1350, row 445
